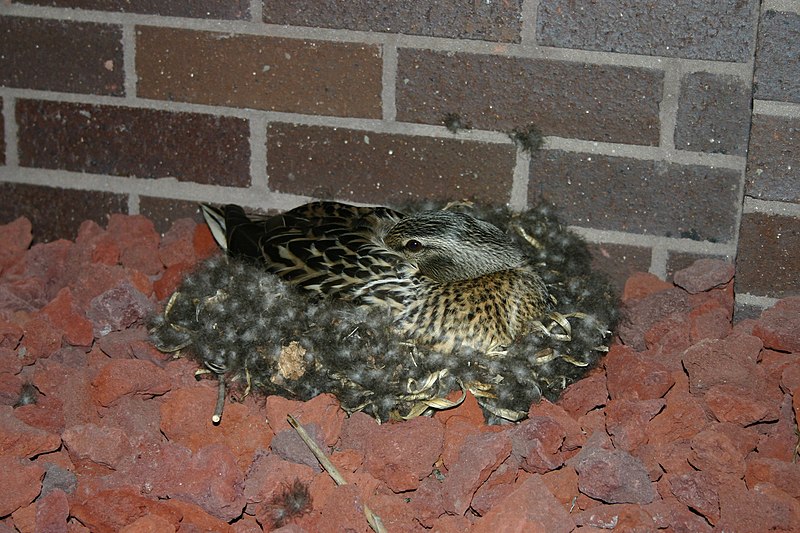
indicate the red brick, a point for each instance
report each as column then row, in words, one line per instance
column 379, row 167
column 2, row 136
column 653, row 197
column 619, row 261
column 142, row 143
column 59, row 55
column 277, row 74
column 164, row 211
column 768, row 260
column 486, row 21
column 503, row 93
column 208, row 9
column 777, row 71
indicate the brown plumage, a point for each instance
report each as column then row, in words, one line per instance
column 448, row 279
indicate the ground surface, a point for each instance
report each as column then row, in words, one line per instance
column 689, row 424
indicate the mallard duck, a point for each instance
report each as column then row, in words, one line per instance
column 449, row 280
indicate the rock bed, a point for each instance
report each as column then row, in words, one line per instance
column 688, row 425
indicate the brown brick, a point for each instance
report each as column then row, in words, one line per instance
column 773, row 160
column 619, row 261
column 382, row 168
column 651, row 197
column 713, row 114
column 777, row 69
column 768, row 259
column 720, row 31
column 486, row 21
column 142, row 143
column 276, row 74
column 209, row 9
column 58, row 55
column 57, row 213
column 164, row 211
column 596, row 102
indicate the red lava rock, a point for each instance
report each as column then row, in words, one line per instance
column 682, row 418
column 41, row 339
column 118, row 308
column 70, row 386
column 713, row 451
column 456, row 430
column 176, row 246
column 563, row 484
column 111, row 510
column 617, row 517
column 120, row 344
column 138, row 240
column 149, row 524
column 48, row 262
column 322, row 410
column 530, row 507
column 673, row 333
column 790, row 377
column 703, row 275
column 634, row 376
column 714, row 323
column 21, row 481
column 537, row 442
column 642, row 284
column 46, row 414
column 779, row 326
column 105, row 446
column 585, row 395
column 15, row 238
column 21, row 440
column 52, row 512
column 121, row 377
column 497, row 487
column 574, row 437
column 270, row 474
column 784, row 475
column 699, row 491
column 288, row 445
column 196, row 519
column 186, row 419
column 61, row 312
column 641, row 315
column 755, row 510
column 213, row 481
column 740, row 405
column 10, row 388
column 626, row 421
column 10, row 335
column 731, row 360
column 613, row 476
column 170, row 280
column 24, row 518
column 401, row 455
column 203, row 242
column 480, row 455
column 468, row 409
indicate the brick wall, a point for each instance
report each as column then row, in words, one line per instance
column 672, row 129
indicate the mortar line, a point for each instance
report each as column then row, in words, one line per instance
column 788, row 6
column 668, row 109
column 658, row 262
column 763, row 302
column 130, row 78
column 654, row 241
column 258, row 151
column 771, row 207
column 10, row 131
column 518, row 199
column 256, row 11
column 528, row 30
column 777, row 109
column 133, row 203
column 389, row 80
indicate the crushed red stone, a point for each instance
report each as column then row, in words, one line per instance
column 689, row 423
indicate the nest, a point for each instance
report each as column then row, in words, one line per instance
column 256, row 333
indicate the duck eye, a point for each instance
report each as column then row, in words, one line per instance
column 413, row 245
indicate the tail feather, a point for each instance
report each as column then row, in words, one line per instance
column 216, row 223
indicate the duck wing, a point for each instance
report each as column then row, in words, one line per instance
column 327, row 248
